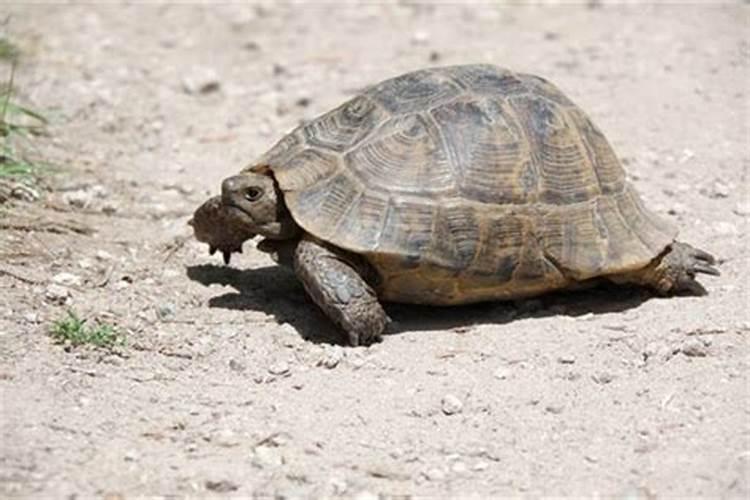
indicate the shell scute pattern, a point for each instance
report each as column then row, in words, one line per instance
column 406, row 155
column 488, row 80
column 414, row 92
column 484, row 143
column 345, row 126
column 473, row 182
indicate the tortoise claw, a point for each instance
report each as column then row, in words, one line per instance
column 227, row 254
column 211, row 250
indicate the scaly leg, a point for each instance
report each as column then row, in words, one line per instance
column 334, row 280
column 674, row 271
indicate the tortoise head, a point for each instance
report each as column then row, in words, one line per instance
column 250, row 204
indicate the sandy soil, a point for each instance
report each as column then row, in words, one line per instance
column 233, row 384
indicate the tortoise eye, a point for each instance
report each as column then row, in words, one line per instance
column 253, row 193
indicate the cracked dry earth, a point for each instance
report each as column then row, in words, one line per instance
column 232, row 384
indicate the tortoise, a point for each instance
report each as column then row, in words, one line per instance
column 447, row 186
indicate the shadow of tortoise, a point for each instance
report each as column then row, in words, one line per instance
column 276, row 291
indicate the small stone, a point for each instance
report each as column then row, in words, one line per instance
column 567, row 359
column 103, row 255
column 78, row 199
column 31, row 317
column 24, row 193
column 280, row 368
column 742, row 208
column 201, row 80
column 337, row 485
column 331, row 357
column 225, row 438
column 131, row 456
column 555, row 409
column 480, row 466
column 694, row 347
column 57, row 294
column 266, row 456
column 459, row 467
column 451, row 404
column 502, row 373
column 109, row 208
column 67, row 279
column 434, row 474
column 677, row 208
column 165, row 310
column 420, row 37
column 657, row 351
column 236, row 365
column 719, row 190
column 603, row 377
column 221, row 486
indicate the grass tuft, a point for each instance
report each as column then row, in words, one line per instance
column 18, row 127
column 73, row 330
column 8, row 50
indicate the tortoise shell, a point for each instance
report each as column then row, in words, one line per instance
column 466, row 183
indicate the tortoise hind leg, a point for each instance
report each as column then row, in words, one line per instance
column 674, row 271
column 334, row 280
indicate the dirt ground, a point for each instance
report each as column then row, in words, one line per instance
column 231, row 382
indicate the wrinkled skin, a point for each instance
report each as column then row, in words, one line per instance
column 340, row 283
column 220, row 226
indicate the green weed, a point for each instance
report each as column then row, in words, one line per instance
column 8, row 50
column 74, row 331
column 19, row 125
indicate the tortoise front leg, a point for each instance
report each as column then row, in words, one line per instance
column 334, row 281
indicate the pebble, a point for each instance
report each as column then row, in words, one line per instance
column 555, row 409
column 451, row 404
column 459, row 467
column 103, row 255
column 226, row 438
column 434, row 474
column 24, row 193
column 109, row 208
column 221, row 486
column 67, row 279
column 567, row 359
column 480, row 466
column 201, row 80
column 742, row 208
column 694, row 347
column 502, row 373
column 420, row 37
column 677, row 208
column 657, row 351
column 236, row 365
column 31, row 317
column 279, row 368
column 331, row 357
column 719, row 190
column 79, row 199
column 131, row 456
column 266, row 456
column 338, row 485
column 165, row 310
column 57, row 294
column 603, row 377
